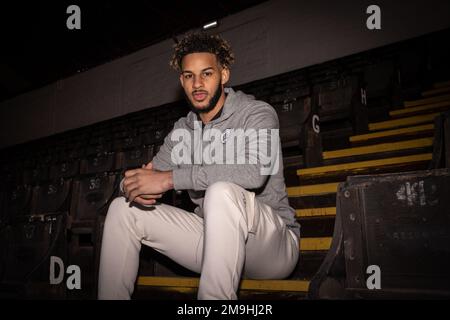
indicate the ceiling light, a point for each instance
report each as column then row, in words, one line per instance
column 210, row 25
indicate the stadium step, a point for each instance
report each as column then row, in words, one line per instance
column 315, row 244
column 393, row 133
column 403, row 122
column 182, row 283
column 441, row 84
column 425, row 101
column 312, row 190
column 357, row 167
column 432, row 92
column 438, row 106
column 377, row 148
column 315, row 212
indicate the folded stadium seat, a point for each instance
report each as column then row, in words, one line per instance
column 412, row 67
column 441, row 145
column 63, row 151
column 98, row 148
column 52, row 197
column 27, row 245
column 293, row 107
column 34, row 234
column 18, row 201
column 98, row 163
column 122, row 132
column 91, row 196
column 342, row 109
column 127, row 142
column 65, row 169
column 382, row 88
column 144, row 120
column 134, row 158
column 119, row 126
column 71, row 153
column 335, row 97
column 11, row 174
column 153, row 135
column 36, row 175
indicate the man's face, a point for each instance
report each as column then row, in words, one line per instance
column 202, row 79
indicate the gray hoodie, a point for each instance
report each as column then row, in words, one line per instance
column 240, row 111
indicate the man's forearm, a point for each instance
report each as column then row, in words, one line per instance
column 199, row 177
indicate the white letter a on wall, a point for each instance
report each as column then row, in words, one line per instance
column 374, row 20
column 74, row 20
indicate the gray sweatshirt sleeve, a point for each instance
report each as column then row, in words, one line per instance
column 248, row 175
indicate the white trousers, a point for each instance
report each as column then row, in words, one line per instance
column 238, row 234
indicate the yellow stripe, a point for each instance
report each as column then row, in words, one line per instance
column 316, row 212
column 275, row 285
column 402, row 122
column 168, row 282
column 426, row 101
column 312, row 190
column 359, row 166
column 315, row 244
column 392, row 133
column 251, row 285
column 435, row 91
column 432, row 106
column 382, row 147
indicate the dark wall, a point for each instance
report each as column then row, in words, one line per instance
column 274, row 37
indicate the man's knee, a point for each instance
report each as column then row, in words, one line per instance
column 220, row 194
column 220, row 190
column 117, row 209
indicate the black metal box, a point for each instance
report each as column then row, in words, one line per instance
column 400, row 223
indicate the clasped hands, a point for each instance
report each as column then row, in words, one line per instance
column 145, row 185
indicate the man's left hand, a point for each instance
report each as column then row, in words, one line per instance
column 146, row 181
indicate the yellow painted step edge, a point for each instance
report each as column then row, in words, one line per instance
column 391, row 133
column 246, row 284
column 315, row 244
column 435, row 91
column 364, row 164
column 315, row 212
column 377, row 148
column 425, row 107
column 426, row 101
column 312, row 190
column 389, row 124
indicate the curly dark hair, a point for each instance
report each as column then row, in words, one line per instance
column 202, row 42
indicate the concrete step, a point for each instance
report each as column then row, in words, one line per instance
column 357, row 167
column 377, row 148
column 393, row 133
column 315, row 212
column 425, row 101
column 183, row 283
column 403, row 122
column 437, row 106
